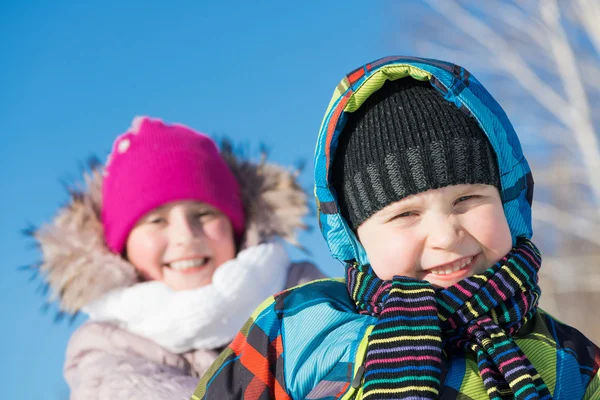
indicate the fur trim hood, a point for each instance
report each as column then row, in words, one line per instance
column 78, row 267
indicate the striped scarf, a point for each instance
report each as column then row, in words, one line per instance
column 417, row 324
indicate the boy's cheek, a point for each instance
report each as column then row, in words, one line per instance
column 391, row 255
column 494, row 237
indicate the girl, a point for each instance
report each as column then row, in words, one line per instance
column 168, row 250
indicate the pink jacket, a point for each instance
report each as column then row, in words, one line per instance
column 106, row 362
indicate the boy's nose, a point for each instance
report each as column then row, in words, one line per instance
column 445, row 233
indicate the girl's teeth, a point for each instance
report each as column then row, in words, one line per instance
column 452, row 267
column 186, row 264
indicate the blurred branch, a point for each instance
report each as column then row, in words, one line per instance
column 560, row 271
column 574, row 111
column 562, row 173
column 516, row 19
column 504, row 54
column 581, row 124
column 449, row 53
column 591, row 72
column 582, row 228
column 588, row 13
column 553, row 135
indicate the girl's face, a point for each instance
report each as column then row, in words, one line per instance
column 181, row 244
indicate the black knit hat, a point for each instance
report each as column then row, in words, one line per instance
column 406, row 139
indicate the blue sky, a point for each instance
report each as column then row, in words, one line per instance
column 73, row 75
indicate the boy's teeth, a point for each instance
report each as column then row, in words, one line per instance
column 448, row 269
column 186, row 264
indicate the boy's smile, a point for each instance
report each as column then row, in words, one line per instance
column 455, row 269
column 441, row 235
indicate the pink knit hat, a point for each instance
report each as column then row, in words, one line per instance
column 152, row 164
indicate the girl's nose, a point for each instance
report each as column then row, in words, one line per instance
column 183, row 230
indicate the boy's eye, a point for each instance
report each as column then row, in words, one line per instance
column 465, row 198
column 406, row 214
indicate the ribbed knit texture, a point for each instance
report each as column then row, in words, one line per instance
column 478, row 314
column 153, row 164
column 406, row 139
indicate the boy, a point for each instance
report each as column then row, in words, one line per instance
column 425, row 195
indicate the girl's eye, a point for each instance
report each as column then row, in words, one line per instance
column 156, row 220
column 204, row 214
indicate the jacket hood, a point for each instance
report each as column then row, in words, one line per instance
column 78, row 267
column 457, row 86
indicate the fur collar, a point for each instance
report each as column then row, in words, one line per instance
column 79, row 268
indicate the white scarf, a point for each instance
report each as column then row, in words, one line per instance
column 205, row 318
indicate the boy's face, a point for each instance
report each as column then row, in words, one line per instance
column 441, row 235
column 181, row 244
